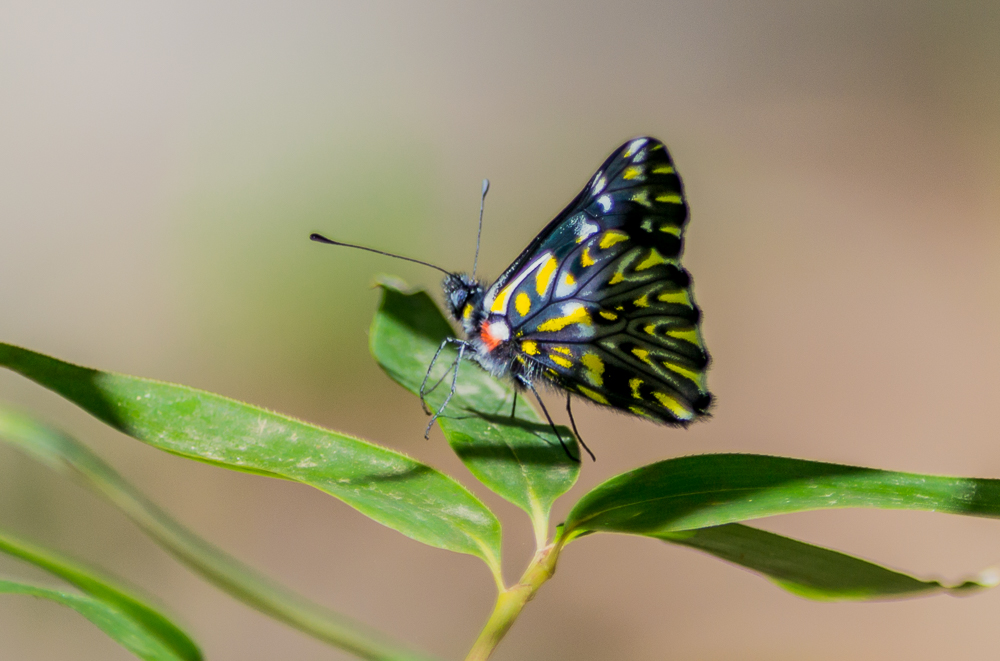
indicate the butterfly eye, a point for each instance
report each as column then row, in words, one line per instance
column 458, row 299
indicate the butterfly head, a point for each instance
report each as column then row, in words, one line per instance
column 464, row 298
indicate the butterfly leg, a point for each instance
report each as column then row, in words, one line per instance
column 423, row 384
column 454, row 386
column 530, row 386
column 513, row 408
column 569, row 409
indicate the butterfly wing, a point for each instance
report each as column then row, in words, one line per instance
column 599, row 303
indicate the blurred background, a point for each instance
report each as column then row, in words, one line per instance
column 162, row 165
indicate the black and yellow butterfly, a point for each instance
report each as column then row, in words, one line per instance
column 598, row 305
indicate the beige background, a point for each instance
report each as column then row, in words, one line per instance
column 161, row 165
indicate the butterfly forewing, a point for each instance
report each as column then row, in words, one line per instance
column 599, row 303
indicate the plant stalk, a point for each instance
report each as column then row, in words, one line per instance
column 511, row 601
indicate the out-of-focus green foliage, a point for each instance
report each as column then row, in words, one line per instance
column 66, row 455
column 127, row 619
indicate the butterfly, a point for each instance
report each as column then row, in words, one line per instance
column 598, row 305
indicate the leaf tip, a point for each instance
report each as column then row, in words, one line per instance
column 988, row 578
column 392, row 282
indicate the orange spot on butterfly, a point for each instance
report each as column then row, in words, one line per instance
column 491, row 341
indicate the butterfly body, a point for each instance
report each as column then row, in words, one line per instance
column 598, row 304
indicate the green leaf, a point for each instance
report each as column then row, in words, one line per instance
column 711, row 490
column 67, row 456
column 124, row 617
column 811, row 571
column 391, row 488
column 518, row 458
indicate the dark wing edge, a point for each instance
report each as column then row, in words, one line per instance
column 583, row 199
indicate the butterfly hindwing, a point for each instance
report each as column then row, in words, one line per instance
column 599, row 303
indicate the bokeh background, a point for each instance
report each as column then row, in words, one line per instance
column 162, row 164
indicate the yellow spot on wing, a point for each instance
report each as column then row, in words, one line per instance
column 632, row 172
column 672, row 198
column 611, row 316
column 677, row 297
column 544, row 275
column 563, row 350
column 639, row 411
column 671, row 229
column 642, row 197
column 642, row 355
column 672, row 405
column 651, row 260
column 616, row 278
column 569, row 280
column 650, row 329
column 577, row 316
column 596, row 396
column 585, row 257
column 663, row 169
column 687, row 335
column 500, row 304
column 523, row 304
column 595, row 368
column 634, row 385
column 530, row 347
column 683, row 371
column 559, row 360
column 611, row 237
column 642, row 301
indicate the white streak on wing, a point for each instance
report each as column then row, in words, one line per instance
column 586, row 230
column 488, row 305
column 564, row 289
column 605, row 201
column 635, row 146
column 599, row 183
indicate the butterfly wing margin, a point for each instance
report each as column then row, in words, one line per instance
column 637, row 175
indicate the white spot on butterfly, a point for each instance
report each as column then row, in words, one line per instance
column 635, row 146
column 499, row 330
column 605, row 202
column 586, row 230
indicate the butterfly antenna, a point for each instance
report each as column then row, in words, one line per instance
column 319, row 238
column 479, row 236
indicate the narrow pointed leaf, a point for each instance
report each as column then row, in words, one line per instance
column 710, row 490
column 124, row 617
column 67, row 456
column 812, row 571
column 518, row 458
column 391, row 488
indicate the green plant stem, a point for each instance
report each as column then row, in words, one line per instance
column 512, row 600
